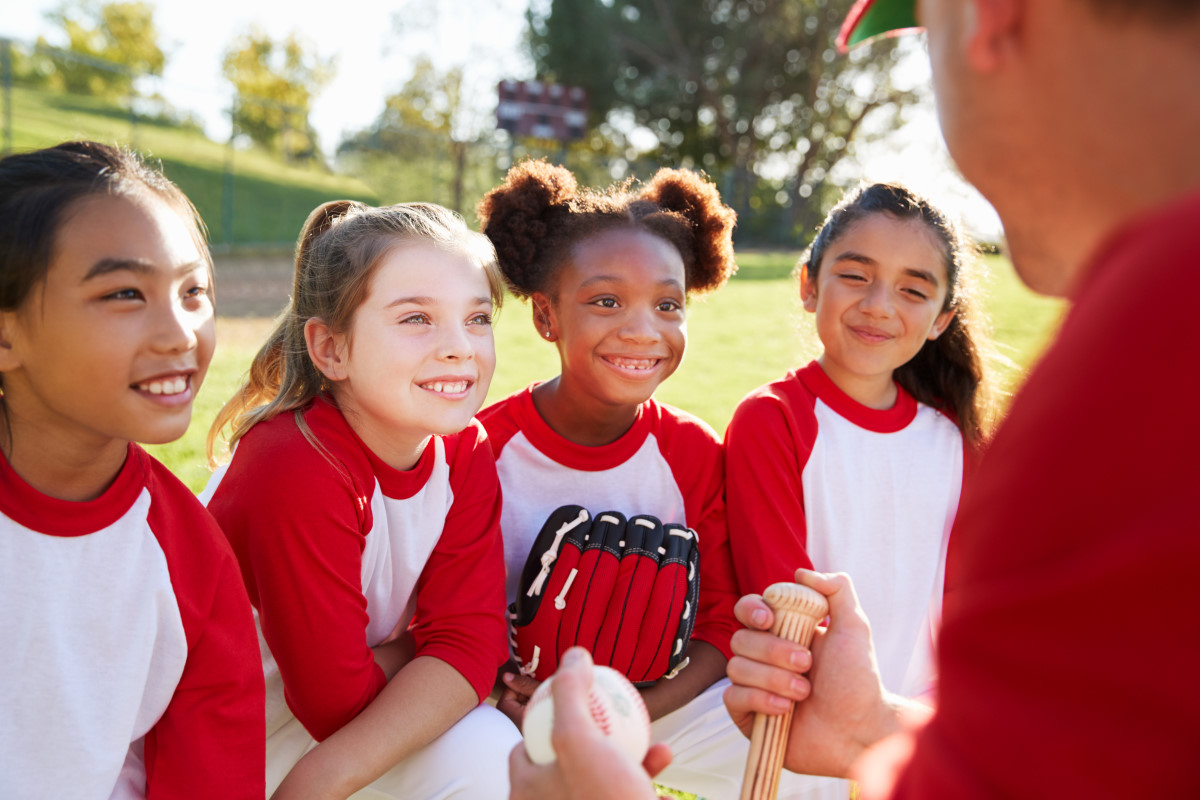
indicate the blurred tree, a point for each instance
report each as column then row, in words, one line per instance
column 113, row 44
column 745, row 89
column 422, row 130
column 275, row 84
column 436, row 137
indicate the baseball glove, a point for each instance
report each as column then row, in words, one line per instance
column 625, row 589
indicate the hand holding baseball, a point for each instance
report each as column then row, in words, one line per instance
column 589, row 765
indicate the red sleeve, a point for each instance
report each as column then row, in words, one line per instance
column 500, row 422
column 460, row 615
column 767, row 444
column 694, row 453
column 297, row 519
column 1068, row 660
column 210, row 741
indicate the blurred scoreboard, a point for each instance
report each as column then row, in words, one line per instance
column 542, row 110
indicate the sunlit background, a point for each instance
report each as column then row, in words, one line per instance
column 260, row 110
column 369, row 50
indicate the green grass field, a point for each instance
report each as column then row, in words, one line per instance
column 271, row 199
column 748, row 333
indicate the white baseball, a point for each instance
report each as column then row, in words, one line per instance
column 615, row 705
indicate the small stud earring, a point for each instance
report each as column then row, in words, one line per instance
column 546, row 334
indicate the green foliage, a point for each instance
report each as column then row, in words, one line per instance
column 110, row 45
column 739, row 87
column 431, row 100
column 276, row 82
column 418, row 148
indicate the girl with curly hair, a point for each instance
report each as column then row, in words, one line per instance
column 608, row 274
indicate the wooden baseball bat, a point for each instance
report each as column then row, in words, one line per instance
column 797, row 609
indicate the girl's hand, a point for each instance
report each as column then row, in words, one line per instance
column 588, row 765
column 515, row 694
column 841, row 707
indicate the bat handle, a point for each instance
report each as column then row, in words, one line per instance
column 797, row 610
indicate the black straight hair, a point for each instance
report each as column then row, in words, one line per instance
column 37, row 190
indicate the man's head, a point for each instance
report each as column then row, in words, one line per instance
column 1070, row 116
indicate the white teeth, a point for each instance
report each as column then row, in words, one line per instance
column 447, row 387
column 174, row 386
column 635, row 363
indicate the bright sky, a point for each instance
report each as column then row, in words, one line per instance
column 370, row 59
column 373, row 60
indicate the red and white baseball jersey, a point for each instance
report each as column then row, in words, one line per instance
column 128, row 662
column 816, row 479
column 340, row 552
column 668, row 465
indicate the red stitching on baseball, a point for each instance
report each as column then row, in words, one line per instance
column 599, row 711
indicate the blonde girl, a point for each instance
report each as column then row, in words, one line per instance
column 363, row 506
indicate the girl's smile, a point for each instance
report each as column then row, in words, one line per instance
column 450, row 388
column 634, row 367
column 168, row 390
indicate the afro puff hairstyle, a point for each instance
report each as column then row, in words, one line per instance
column 539, row 214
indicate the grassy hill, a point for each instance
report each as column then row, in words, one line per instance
column 271, row 199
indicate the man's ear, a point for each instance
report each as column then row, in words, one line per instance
column 543, row 317
column 808, row 289
column 327, row 349
column 992, row 31
column 9, row 360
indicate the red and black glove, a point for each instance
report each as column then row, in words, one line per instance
column 625, row 589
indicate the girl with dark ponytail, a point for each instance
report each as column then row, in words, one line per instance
column 608, row 274
column 362, row 504
column 855, row 463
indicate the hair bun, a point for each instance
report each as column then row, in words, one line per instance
column 322, row 218
column 515, row 216
column 692, row 196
